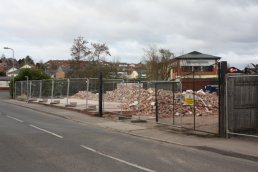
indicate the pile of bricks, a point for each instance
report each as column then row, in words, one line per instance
column 142, row 101
column 84, row 94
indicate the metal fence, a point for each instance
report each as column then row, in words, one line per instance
column 201, row 104
column 170, row 102
column 195, row 110
column 242, row 105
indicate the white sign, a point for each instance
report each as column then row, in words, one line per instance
column 197, row 62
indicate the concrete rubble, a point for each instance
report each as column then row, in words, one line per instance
column 142, row 101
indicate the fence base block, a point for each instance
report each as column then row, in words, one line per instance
column 91, row 107
column 32, row 99
column 55, row 102
column 43, row 100
column 72, row 104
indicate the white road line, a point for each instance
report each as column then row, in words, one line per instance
column 49, row 132
column 117, row 159
column 14, row 118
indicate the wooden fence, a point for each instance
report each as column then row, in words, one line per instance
column 242, row 104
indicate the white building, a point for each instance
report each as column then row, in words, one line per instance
column 12, row 72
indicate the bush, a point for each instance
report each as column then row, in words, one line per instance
column 32, row 73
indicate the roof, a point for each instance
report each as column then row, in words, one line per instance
column 63, row 69
column 25, row 66
column 12, row 70
column 197, row 55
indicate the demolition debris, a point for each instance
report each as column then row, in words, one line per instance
column 143, row 101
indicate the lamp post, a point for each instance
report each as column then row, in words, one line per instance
column 8, row 48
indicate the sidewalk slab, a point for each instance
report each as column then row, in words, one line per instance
column 121, row 126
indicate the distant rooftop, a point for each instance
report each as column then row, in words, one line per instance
column 197, row 55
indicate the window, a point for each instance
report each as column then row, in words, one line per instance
column 208, row 68
column 186, row 68
column 197, row 68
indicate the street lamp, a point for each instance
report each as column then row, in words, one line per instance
column 8, row 48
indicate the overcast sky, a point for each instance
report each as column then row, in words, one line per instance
column 45, row 29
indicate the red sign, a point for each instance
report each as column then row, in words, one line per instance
column 232, row 70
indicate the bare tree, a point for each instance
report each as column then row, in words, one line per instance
column 26, row 61
column 98, row 50
column 251, row 69
column 79, row 49
column 158, row 63
column 165, row 63
column 151, row 59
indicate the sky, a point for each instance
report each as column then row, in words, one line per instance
column 45, row 29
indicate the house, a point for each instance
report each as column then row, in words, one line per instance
column 57, row 63
column 61, row 72
column 4, row 83
column 12, row 72
column 25, row 67
column 202, row 67
column 2, row 66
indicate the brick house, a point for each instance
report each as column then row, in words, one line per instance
column 61, row 72
column 203, row 67
column 2, row 67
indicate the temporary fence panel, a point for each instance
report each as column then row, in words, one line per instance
column 177, row 103
column 164, row 104
column 60, row 88
column 242, row 104
column 207, row 108
column 23, row 89
column 47, row 87
column 18, row 89
column 113, row 96
column 35, row 88
column 199, row 110
column 77, row 92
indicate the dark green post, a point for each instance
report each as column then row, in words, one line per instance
column 156, row 103
column 100, row 94
column 222, row 89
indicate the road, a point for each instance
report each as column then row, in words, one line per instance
column 36, row 141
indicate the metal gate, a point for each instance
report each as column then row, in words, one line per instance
column 242, row 104
column 189, row 109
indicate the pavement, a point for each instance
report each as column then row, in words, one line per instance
column 238, row 146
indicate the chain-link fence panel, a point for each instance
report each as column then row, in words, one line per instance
column 131, row 96
column 112, row 96
column 93, row 93
column 60, row 88
column 47, row 86
column 77, row 92
column 199, row 104
column 21, row 90
column 207, row 108
column 18, row 90
column 35, row 89
column 166, row 101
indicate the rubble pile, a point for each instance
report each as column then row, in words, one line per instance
column 142, row 101
column 84, row 94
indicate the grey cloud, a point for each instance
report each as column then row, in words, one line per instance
column 212, row 26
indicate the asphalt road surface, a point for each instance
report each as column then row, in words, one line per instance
column 35, row 141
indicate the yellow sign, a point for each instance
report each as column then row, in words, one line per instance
column 188, row 99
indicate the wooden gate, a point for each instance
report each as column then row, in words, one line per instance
column 242, row 104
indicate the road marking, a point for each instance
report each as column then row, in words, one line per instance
column 117, row 159
column 14, row 118
column 49, row 132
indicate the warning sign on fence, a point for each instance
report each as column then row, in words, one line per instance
column 188, row 99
